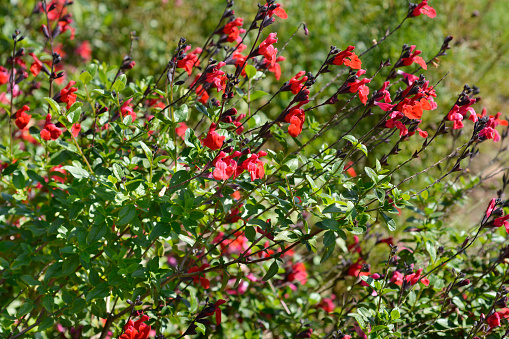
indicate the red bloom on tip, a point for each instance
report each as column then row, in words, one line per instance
column 204, row 282
column 213, row 140
column 491, row 207
column 425, row 9
column 355, row 270
column 181, row 129
column 360, row 86
column 498, row 121
column 136, row 329
column 37, row 66
column 295, row 84
column 238, row 124
column 65, row 26
column 4, row 75
column 414, row 57
column 126, row 109
column 75, row 129
column 502, row 221
column 231, row 29
column 50, row 131
column 278, row 11
column 350, row 170
column 494, row 320
column 267, row 50
column 225, row 166
column 398, row 278
column 202, row 94
column 214, row 309
column 299, row 273
column 216, row 77
column 296, row 118
column 255, row 166
column 85, row 51
column 348, row 58
column 67, row 94
column 190, row 60
column 22, row 119
column 276, row 68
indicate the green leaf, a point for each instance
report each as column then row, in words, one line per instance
column 78, row 173
column 25, row 308
column 257, row 95
column 126, row 214
column 146, row 150
column 53, row 104
column 371, row 174
column 70, row 265
column 250, row 233
column 18, row 179
column 395, row 314
column 272, row 271
column 250, row 71
column 329, row 238
column 328, row 224
column 101, row 291
column 431, row 250
column 285, row 236
column 29, row 280
column 48, row 303
column 389, row 221
column 181, row 114
column 85, row 77
column 120, row 83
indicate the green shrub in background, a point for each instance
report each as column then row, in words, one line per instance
column 261, row 178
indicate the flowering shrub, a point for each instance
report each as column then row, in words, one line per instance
column 175, row 205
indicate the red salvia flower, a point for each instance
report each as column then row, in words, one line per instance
column 231, row 29
column 50, row 131
column 255, row 166
column 202, row 94
column 278, row 11
column 213, row 140
column 75, row 129
column 37, row 66
column 296, row 118
column 204, row 282
column 67, row 94
column 216, row 77
column 414, row 57
column 4, row 75
column 85, row 51
column 236, row 122
column 22, row 119
column 190, row 60
column 299, row 273
column 214, row 309
column 425, row 9
column 267, row 50
column 347, row 58
column 136, row 329
column 126, row 109
column 294, row 84
column 276, row 68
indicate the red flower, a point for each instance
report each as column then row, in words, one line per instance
column 491, row 207
column 4, row 75
column 84, row 50
column 502, row 221
column 355, row 269
column 296, row 119
column 213, row 140
column 347, row 58
column 22, row 119
column 225, row 168
column 350, row 171
column 190, row 60
column 136, row 330
column 202, row 94
column 276, row 68
column 50, row 131
column 255, row 166
column 360, row 86
column 278, row 11
column 75, row 129
column 423, row 8
column 267, row 50
column 413, row 57
column 231, row 29
column 299, row 273
column 67, row 94
column 181, row 129
column 37, row 66
column 126, row 109
column 214, row 309
column 494, row 320
column 216, row 77
column 236, row 122
column 204, row 282
column 295, row 84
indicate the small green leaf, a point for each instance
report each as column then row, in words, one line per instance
column 146, row 150
column 126, row 214
column 181, row 114
column 99, row 292
column 53, row 104
column 250, row 71
column 78, row 173
column 257, row 95
column 85, row 77
column 272, row 271
column 389, row 221
column 395, row 314
column 120, row 83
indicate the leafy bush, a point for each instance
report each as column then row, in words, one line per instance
column 218, row 198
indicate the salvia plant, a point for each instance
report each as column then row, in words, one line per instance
column 180, row 204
